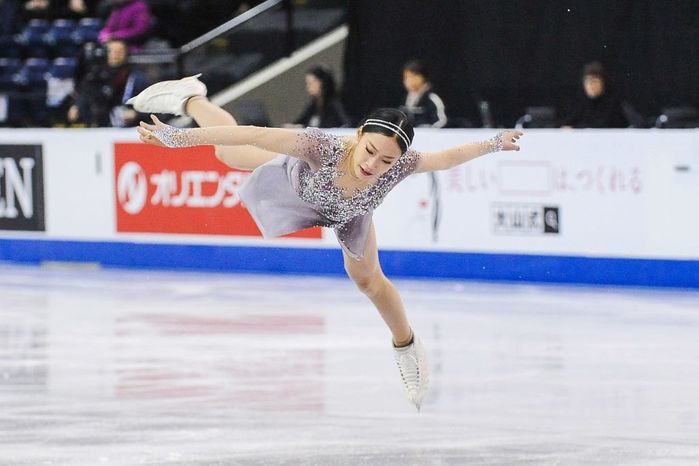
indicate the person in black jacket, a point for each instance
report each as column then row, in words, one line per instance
column 324, row 110
column 600, row 107
column 100, row 98
column 422, row 104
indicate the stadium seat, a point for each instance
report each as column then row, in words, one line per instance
column 538, row 117
column 58, row 38
column 678, row 117
column 32, row 75
column 31, row 39
column 60, row 80
column 87, row 30
column 9, row 67
column 63, row 68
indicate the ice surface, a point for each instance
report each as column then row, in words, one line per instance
column 124, row 367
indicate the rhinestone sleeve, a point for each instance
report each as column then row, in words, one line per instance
column 318, row 147
column 493, row 144
column 175, row 137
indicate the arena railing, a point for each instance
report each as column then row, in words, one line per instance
column 252, row 40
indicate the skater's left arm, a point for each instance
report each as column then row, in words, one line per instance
column 453, row 156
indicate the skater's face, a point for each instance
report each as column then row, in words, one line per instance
column 374, row 155
column 313, row 86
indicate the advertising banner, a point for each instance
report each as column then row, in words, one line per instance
column 21, row 188
column 186, row 191
column 567, row 193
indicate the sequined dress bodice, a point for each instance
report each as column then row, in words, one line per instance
column 318, row 187
column 288, row 194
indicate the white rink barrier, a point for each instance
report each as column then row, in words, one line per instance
column 584, row 206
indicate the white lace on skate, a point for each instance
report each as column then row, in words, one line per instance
column 414, row 370
column 168, row 96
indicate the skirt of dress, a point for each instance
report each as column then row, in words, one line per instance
column 270, row 195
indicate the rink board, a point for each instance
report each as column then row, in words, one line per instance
column 592, row 206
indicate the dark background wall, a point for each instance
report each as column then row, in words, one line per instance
column 518, row 53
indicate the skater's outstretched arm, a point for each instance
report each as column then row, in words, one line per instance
column 449, row 158
column 275, row 140
column 207, row 114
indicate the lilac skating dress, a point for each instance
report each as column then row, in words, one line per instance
column 288, row 194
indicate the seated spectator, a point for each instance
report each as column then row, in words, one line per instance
column 130, row 21
column 600, row 107
column 38, row 9
column 422, row 104
column 324, row 109
column 100, row 97
column 81, row 8
column 52, row 9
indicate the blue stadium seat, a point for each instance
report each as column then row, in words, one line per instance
column 87, row 30
column 60, row 80
column 9, row 67
column 58, row 38
column 63, row 68
column 31, row 38
column 32, row 76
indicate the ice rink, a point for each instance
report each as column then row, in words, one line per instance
column 136, row 367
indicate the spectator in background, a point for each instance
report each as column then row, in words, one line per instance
column 600, row 107
column 39, row 9
column 130, row 21
column 52, row 9
column 82, row 8
column 421, row 103
column 100, row 97
column 324, row 110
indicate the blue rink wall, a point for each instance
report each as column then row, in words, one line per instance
column 405, row 264
column 610, row 207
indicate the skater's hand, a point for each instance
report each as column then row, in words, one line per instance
column 145, row 131
column 509, row 139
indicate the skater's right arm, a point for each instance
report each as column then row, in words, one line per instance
column 275, row 140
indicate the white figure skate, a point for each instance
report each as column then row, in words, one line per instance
column 168, row 96
column 414, row 370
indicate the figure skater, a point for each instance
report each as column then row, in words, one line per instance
column 310, row 178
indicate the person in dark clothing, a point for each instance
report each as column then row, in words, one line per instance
column 422, row 104
column 324, row 109
column 81, row 8
column 600, row 107
column 101, row 96
column 52, row 9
